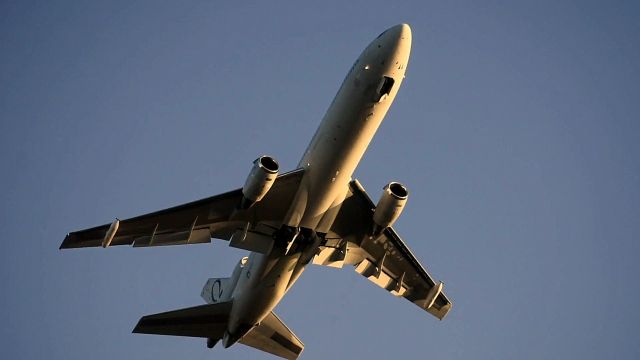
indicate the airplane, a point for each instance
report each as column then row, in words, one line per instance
column 314, row 214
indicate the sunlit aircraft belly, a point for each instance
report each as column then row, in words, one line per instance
column 347, row 129
column 329, row 162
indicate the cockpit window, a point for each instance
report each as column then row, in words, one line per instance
column 384, row 88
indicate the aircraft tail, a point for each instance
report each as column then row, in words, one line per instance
column 206, row 321
column 217, row 290
column 274, row 337
column 210, row 321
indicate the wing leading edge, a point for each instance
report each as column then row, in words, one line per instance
column 384, row 259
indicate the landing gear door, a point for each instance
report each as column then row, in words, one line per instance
column 383, row 89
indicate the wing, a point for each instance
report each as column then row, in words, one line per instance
column 192, row 223
column 384, row 259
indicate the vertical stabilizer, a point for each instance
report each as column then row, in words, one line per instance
column 217, row 290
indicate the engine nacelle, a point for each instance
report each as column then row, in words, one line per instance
column 259, row 181
column 390, row 205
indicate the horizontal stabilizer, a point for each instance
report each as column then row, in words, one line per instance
column 206, row 321
column 274, row 337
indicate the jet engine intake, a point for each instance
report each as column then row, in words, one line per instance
column 263, row 173
column 390, row 205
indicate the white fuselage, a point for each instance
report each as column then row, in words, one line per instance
column 329, row 162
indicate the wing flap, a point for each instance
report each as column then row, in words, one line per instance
column 383, row 279
column 195, row 236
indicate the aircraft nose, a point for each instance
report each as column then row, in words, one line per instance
column 389, row 52
column 400, row 32
column 397, row 39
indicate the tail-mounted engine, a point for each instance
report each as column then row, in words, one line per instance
column 217, row 290
column 259, row 181
column 390, row 205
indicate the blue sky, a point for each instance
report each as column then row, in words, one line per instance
column 516, row 131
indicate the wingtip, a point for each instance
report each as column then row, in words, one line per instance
column 64, row 242
column 138, row 328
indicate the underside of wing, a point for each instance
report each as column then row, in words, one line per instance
column 274, row 337
column 383, row 258
column 191, row 223
column 206, row 321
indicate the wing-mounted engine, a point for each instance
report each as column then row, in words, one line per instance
column 263, row 173
column 390, row 206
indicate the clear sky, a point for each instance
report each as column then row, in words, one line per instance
column 517, row 132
